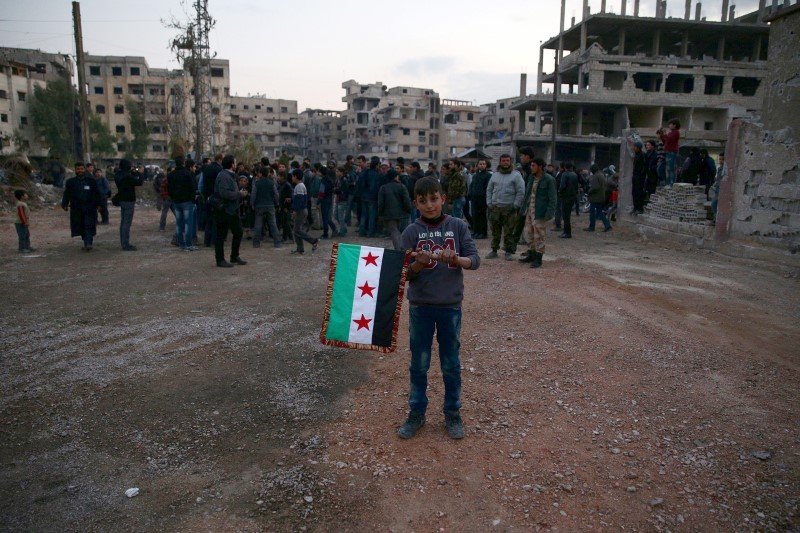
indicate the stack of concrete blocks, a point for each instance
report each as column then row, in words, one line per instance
column 682, row 202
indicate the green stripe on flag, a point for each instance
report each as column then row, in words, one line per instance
column 344, row 282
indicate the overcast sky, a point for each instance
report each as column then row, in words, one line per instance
column 304, row 49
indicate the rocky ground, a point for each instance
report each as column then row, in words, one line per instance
column 624, row 385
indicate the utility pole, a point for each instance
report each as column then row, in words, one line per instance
column 194, row 52
column 86, row 152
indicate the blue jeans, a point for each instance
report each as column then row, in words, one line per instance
column 671, row 158
column 24, row 235
column 125, row 222
column 369, row 218
column 326, row 208
column 458, row 207
column 597, row 211
column 342, row 216
column 184, row 217
column 421, row 325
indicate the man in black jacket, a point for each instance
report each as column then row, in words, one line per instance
column 180, row 184
column 567, row 193
column 226, row 213
column 210, row 173
column 477, row 197
column 264, row 201
column 81, row 198
column 127, row 179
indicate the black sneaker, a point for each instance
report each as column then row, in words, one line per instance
column 415, row 421
column 224, row 264
column 238, row 261
column 455, row 428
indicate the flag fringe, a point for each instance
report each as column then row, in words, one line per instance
column 395, row 320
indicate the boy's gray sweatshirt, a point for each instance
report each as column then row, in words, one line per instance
column 439, row 285
column 505, row 190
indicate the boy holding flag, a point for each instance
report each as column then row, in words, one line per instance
column 442, row 247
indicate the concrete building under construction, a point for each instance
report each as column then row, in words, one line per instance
column 624, row 71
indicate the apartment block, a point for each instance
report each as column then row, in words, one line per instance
column 271, row 123
column 458, row 129
column 624, row 71
column 322, row 135
column 167, row 97
column 21, row 71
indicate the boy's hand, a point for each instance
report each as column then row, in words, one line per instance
column 423, row 257
column 448, row 256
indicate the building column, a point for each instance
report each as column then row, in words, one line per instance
column 621, row 42
column 583, row 35
column 521, row 121
column 684, row 44
column 579, row 121
column 540, row 71
column 721, row 48
column 537, row 124
column 699, row 84
column 757, row 49
column 656, row 43
column 593, row 153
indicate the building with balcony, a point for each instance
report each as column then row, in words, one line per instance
column 166, row 97
column 271, row 123
column 21, row 71
column 620, row 72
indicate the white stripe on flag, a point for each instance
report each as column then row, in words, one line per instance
column 365, row 305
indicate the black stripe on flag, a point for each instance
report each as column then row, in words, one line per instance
column 386, row 306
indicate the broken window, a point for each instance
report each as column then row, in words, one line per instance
column 746, row 86
column 613, row 79
column 714, row 84
column 680, row 83
column 217, row 72
column 94, row 71
column 649, row 82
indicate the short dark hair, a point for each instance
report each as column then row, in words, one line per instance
column 415, row 164
column 568, row 166
column 676, row 122
column 19, row 193
column 227, row 161
column 361, row 158
column 297, row 173
column 219, row 157
column 505, row 155
column 594, row 168
column 179, row 161
column 539, row 161
column 722, row 154
column 427, row 186
column 526, row 150
column 79, row 164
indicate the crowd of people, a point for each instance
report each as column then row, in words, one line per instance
column 283, row 201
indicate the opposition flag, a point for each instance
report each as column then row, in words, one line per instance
column 365, row 296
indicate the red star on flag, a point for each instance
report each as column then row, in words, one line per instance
column 363, row 323
column 366, row 289
column 371, row 259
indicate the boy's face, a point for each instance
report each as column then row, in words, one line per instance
column 671, row 126
column 25, row 197
column 481, row 165
column 430, row 206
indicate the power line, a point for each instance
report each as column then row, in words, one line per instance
column 33, row 32
column 69, row 21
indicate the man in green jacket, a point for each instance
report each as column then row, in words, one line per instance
column 597, row 199
column 540, row 209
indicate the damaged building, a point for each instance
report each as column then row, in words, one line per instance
column 623, row 71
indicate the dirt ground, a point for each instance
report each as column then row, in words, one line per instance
column 625, row 385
